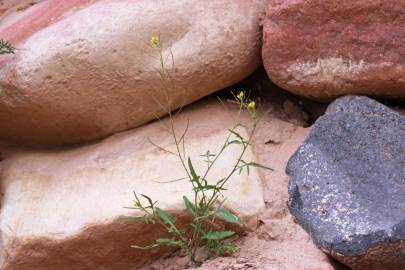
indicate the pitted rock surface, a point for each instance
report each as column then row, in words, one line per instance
column 347, row 184
column 85, row 69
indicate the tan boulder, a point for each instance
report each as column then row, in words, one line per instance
column 63, row 208
column 325, row 49
column 85, row 69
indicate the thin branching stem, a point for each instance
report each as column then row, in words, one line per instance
column 207, row 205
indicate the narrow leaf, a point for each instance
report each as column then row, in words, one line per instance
column 149, row 199
column 226, row 215
column 168, row 242
column 236, row 134
column 6, row 47
column 190, row 207
column 231, row 248
column 165, row 216
column 192, row 171
column 235, row 142
column 218, row 235
column 143, row 218
column 257, row 165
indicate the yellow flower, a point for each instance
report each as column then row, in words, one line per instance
column 154, row 41
column 251, row 105
column 241, row 95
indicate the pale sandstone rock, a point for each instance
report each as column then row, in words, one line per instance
column 63, row 209
column 85, row 69
column 325, row 49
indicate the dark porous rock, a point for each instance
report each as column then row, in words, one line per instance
column 347, row 184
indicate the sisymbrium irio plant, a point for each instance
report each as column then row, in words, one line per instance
column 205, row 207
column 6, row 47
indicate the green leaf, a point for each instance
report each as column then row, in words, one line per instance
column 168, row 242
column 149, row 199
column 165, row 216
column 226, row 215
column 143, row 218
column 198, row 228
column 257, row 165
column 247, row 165
column 190, row 207
column 210, row 187
column 192, row 171
column 6, row 47
column 231, row 248
column 235, row 142
column 160, row 242
column 236, row 134
column 218, row 235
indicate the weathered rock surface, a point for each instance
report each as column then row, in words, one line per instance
column 325, row 49
column 85, row 69
column 347, row 184
column 63, row 209
column 9, row 6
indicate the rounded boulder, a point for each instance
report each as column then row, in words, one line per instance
column 84, row 70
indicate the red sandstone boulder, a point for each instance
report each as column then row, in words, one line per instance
column 324, row 49
column 85, row 69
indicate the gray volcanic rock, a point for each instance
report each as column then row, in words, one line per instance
column 347, row 184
